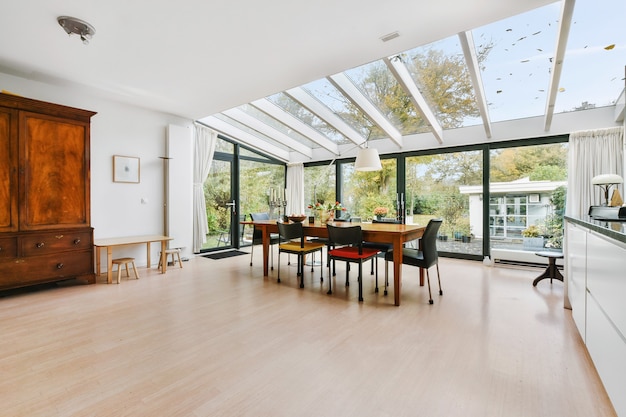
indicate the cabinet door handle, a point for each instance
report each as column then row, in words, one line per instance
column 59, row 265
column 40, row 245
column 76, row 241
column 0, row 248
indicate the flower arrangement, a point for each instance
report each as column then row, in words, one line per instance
column 327, row 206
column 381, row 211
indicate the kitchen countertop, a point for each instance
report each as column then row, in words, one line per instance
column 613, row 229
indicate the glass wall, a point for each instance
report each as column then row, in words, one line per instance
column 527, row 197
column 370, row 194
column 436, row 188
column 319, row 185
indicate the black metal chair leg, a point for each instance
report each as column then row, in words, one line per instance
column 430, row 301
column 439, row 279
column 360, row 281
column 330, row 282
column 376, row 289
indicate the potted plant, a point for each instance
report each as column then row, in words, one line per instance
column 380, row 212
column 533, row 237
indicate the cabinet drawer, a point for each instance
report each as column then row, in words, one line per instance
column 63, row 265
column 40, row 244
column 8, row 247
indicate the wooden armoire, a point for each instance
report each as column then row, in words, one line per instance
column 45, row 223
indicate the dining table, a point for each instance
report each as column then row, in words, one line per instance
column 395, row 234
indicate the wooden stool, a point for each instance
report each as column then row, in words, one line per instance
column 124, row 261
column 551, row 272
column 173, row 252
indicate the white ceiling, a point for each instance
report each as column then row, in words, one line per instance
column 194, row 58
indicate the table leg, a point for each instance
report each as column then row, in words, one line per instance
column 148, row 260
column 109, row 264
column 163, row 256
column 397, row 270
column 266, row 249
column 97, row 248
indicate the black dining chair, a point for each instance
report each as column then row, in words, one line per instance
column 347, row 244
column 383, row 248
column 257, row 237
column 425, row 257
column 295, row 243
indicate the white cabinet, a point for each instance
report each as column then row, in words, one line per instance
column 576, row 265
column 596, row 267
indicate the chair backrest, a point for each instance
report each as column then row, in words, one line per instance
column 259, row 216
column 290, row 231
column 257, row 235
column 351, row 235
column 429, row 242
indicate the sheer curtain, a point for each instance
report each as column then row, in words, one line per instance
column 295, row 189
column 592, row 153
column 204, row 148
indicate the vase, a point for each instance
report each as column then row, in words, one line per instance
column 327, row 216
column 379, row 217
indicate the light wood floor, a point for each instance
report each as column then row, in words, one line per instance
column 217, row 339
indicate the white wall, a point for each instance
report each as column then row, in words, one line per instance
column 117, row 129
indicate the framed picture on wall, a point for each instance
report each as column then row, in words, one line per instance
column 125, row 169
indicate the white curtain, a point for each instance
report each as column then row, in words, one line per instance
column 204, row 148
column 592, row 153
column 295, row 189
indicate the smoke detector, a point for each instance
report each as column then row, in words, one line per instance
column 71, row 25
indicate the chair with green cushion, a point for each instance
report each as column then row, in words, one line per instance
column 347, row 243
column 293, row 235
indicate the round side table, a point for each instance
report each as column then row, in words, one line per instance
column 551, row 272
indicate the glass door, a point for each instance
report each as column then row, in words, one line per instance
column 221, row 207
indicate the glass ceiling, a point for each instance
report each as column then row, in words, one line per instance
column 431, row 87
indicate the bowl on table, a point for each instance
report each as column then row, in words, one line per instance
column 297, row 219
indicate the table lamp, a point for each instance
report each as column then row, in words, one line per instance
column 605, row 181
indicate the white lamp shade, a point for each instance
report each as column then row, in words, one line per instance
column 607, row 179
column 367, row 159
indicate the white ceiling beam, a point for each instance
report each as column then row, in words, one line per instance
column 287, row 119
column 400, row 71
column 565, row 22
column 352, row 92
column 245, row 138
column 255, row 124
column 322, row 111
column 471, row 60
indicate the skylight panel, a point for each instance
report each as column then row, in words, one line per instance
column 328, row 94
column 270, row 121
column 297, row 110
column 250, row 131
column 516, row 62
column 440, row 71
column 378, row 84
column 593, row 67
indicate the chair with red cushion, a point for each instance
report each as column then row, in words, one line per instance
column 348, row 247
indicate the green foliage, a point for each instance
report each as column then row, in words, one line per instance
column 544, row 162
column 532, row 231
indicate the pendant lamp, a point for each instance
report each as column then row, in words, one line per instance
column 367, row 159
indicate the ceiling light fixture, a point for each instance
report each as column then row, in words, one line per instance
column 71, row 25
